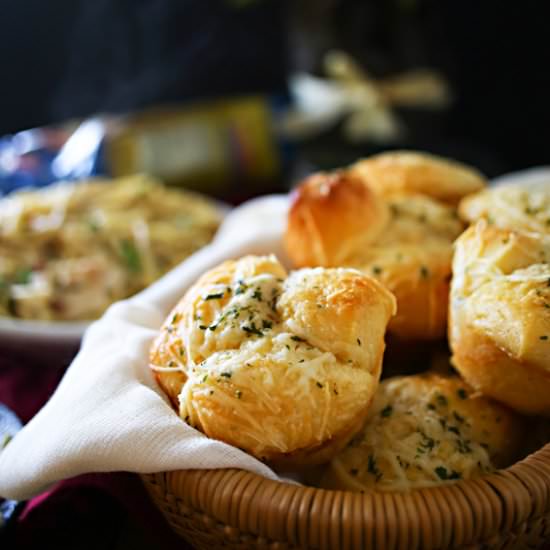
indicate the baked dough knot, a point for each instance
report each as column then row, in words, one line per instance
column 283, row 366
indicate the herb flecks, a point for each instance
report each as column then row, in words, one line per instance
column 372, row 467
column 444, row 474
column 462, row 393
column 131, row 256
column 23, row 276
column 257, row 294
column 216, row 296
column 386, row 411
column 252, row 329
column 441, row 400
column 241, row 287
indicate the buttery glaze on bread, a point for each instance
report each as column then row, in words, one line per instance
column 332, row 215
column 422, row 431
column 499, row 319
column 405, row 241
column 284, row 367
column 524, row 206
column 413, row 172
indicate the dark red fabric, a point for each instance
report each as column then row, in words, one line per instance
column 95, row 511
column 27, row 381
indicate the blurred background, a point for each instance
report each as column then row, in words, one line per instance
column 234, row 98
column 269, row 89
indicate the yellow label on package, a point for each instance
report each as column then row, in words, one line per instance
column 203, row 146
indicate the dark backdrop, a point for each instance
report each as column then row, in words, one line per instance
column 74, row 57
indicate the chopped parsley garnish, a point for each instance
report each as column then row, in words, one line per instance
column 462, row 393
column 424, row 272
column 376, row 269
column 226, row 374
column 252, row 329
column 130, row 255
column 297, row 339
column 241, row 288
column 543, row 337
column 373, row 467
column 444, row 474
column 203, row 327
column 454, row 430
column 427, row 443
column 319, row 385
column 463, row 447
column 93, row 225
column 176, row 318
column 266, row 324
column 442, row 400
column 387, row 411
column 22, row 276
column 358, row 342
column 216, row 296
column 205, row 378
column 458, row 417
column 257, row 295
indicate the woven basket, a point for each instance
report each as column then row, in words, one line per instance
column 237, row 509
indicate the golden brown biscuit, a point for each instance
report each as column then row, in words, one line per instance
column 413, row 172
column 404, row 240
column 499, row 318
column 331, row 216
column 524, row 206
column 422, row 431
column 283, row 367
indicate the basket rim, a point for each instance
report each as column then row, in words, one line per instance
column 458, row 513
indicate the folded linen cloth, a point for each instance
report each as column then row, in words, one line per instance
column 108, row 413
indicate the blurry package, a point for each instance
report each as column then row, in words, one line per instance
column 206, row 146
column 226, row 148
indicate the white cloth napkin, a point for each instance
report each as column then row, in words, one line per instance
column 108, row 414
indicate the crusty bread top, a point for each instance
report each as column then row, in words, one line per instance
column 332, row 215
column 273, row 363
column 336, row 219
column 524, row 206
column 427, row 430
column 501, row 288
column 414, row 172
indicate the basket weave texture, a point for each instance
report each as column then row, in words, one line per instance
column 237, row 509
